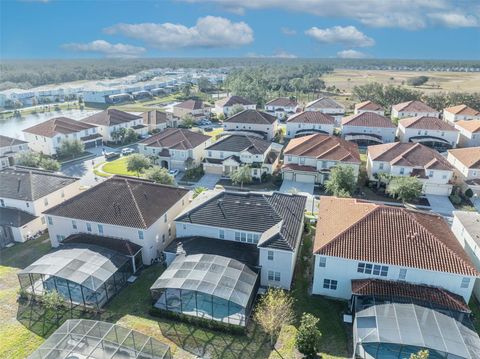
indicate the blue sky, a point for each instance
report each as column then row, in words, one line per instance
column 426, row 29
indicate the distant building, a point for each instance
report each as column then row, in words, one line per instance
column 156, row 120
column 252, row 122
column 413, row 109
column 368, row 128
column 9, row 147
column 460, row 112
column 281, row 106
column 227, row 104
column 469, row 135
column 329, row 106
column 194, row 108
column 368, row 106
column 308, row 123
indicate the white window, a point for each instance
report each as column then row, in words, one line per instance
column 45, row 201
column 430, row 173
column 74, row 224
column 209, row 153
column 27, row 204
column 100, row 229
column 165, row 218
column 237, row 236
column 2, row 203
column 43, row 220
column 243, row 237
column 330, row 284
column 60, row 238
column 403, row 274
column 256, row 237
column 322, row 262
column 380, row 166
column 163, row 238
column 62, row 194
column 273, row 276
column 402, row 170
column 140, row 234
column 89, row 227
column 50, row 220
column 270, row 255
column 302, row 160
column 221, row 234
column 465, row 282
column 184, row 226
column 250, row 238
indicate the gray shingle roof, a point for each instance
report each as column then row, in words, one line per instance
column 233, row 100
column 253, row 212
column 31, row 184
column 325, row 102
column 110, row 117
column 252, row 116
column 238, row 143
column 9, row 141
column 14, row 217
column 176, row 138
column 121, row 201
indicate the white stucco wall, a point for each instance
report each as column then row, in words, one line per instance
column 405, row 114
column 404, row 134
column 387, row 134
column 269, row 129
column 294, row 127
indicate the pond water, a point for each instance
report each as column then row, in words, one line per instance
column 13, row 127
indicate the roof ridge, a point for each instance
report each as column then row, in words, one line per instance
column 135, row 202
column 314, row 144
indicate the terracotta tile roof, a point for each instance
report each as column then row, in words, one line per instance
column 111, row 117
column 315, row 117
column 396, row 290
column 368, row 106
column 368, row 119
column 282, row 101
column 324, row 147
column 232, row 101
column 413, row 106
column 9, row 141
column 190, row 105
column 154, row 117
column 462, row 110
column 252, row 116
column 122, row 201
column 325, row 102
column 356, row 230
column 408, row 154
column 295, row 167
column 472, row 126
column 426, row 123
column 176, row 138
column 58, row 125
column 469, row 157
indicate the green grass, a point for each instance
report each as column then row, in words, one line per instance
column 118, row 167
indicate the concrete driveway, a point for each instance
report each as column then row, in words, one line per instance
column 209, row 180
column 301, row 187
column 441, row 205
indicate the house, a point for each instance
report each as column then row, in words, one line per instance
column 460, row 112
column 176, row 148
column 413, row 109
column 227, row 105
column 111, row 121
column 123, row 208
column 9, row 147
column 411, row 159
column 194, row 108
column 309, row 122
column 363, row 240
column 156, row 120
column 429, row 131
column 329, row 106
column 310, row 158
column 466, row 227
column 47, row 137
column 368, row 106
column 467, row 167
column 281, row 106
column 368, row 128
column 25, row 194
column 259, row 229
column 252, row 122
column 469, row 133
column 233, row 151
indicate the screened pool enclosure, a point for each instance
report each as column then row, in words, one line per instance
column 207, row 286
column 90, row 339
column 83, row 276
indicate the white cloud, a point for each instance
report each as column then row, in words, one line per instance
column 407, row 14
column 288, row 31
column 455, row 19
column 351, row 54
column 105, row 48
column 209, row 31
column 280, row 54
column 346, row 35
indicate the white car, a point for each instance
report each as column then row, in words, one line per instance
column 173, row 172
column 127, row 151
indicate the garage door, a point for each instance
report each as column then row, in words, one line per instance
column 288, row 176
column 437, row 190
column 299, row 177
column 213, row 169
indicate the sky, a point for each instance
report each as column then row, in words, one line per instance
column 399, row 29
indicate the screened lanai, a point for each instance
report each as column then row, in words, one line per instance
column 88, row 276
column 207, row 286
column 90, row 339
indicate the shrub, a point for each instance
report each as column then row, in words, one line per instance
column 469, row 193
column 455, row 199
column 308, row 336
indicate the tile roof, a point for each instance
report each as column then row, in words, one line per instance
column 58, row 125
column 396, row 290
column 472, row 126
column 295, row 167
column 9, row 141
column 122, row 201
column 408, row 154
column 122, row 246
column 368, row 119
column 176, row 138
column 413, row 106
column 368, row 106
column 471, row 223
column 190, row 104
column 356, row 230
column 253, row 117
column 462, row 110
column 325, row 102
column 316, row 117
column 426, row 123
column 13, row 217
column 239, row 143
column 282, row 101
column 154, row 117
column 469, row 157
column 232, row 101
column 323, row 147
column 278, row 216
column 31, row 184
column 110, row 117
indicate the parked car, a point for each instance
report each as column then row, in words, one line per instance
column 173, row 172
column 111, row 155
column 127, row 151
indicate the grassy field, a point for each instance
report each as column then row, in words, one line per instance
column 118, row 167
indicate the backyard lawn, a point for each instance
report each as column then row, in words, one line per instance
column 118, row 167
